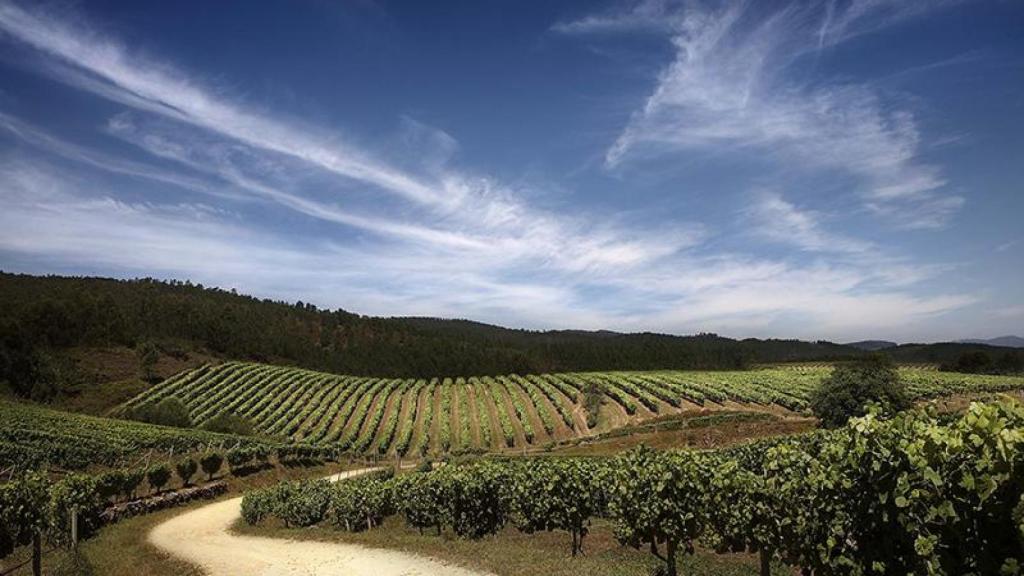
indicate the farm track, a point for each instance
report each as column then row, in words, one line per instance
column 204, row 537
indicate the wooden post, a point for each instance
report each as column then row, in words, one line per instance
column 74, row 528
column 37, row 555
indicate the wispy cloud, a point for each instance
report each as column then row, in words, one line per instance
column 733, row 87
column 1010, row 312
column 392, row 236
column 775, row 218
column 100, row 65
column 475, row 212
column 44, row 141
column 1007, row 245
column 642, row 16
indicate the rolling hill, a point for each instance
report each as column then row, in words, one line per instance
column 454, row 414
column 84, row 340
column 1004, row 341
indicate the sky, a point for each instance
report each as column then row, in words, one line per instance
column 835, row 170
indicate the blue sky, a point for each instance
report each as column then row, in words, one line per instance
column 836, row 170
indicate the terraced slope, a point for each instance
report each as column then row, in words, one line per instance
column 35, row 437
column 410, row 416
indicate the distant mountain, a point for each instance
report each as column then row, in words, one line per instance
column 872, row 345
column 1007, row 341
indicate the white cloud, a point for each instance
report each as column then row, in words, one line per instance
column 56, row 216
column 731, row 87
column 642, row 16
column 100, row 65
column 1007, row 245
column 1010, row 312
column 778, row 220
column 466, row 211
column 441, row 241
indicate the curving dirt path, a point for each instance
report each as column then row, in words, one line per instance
column 204, row 538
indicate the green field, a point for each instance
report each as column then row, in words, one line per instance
column 420, row 416
column 34, row 437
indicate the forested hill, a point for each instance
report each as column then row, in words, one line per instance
column 53, row 313
column 59, row 312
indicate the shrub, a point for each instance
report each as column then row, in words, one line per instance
column 148, row 357
column 131, row 480
column 211, row 463
column 238, row 458
column 158, row 476
column 109, row 485
column 169, row 412
column 592, row 397
column 246, row 459
column 304, row 503
column 658, row 498
column 22, row 510
column 227, row 423
column 554, row 495
column 361, row 503
column 186, row 469
column 852, row 387
column 76, row 493
column 258, row 504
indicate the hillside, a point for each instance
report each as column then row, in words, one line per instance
column 943, row 352
column 438, row 415
column 32, row 436
column 1004, row 341
column 93, row 342
column 872, row 345
column 46, row 323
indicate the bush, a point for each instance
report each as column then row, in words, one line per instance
column 186, row 469
column 169, row 412
column 592, row 398
column 131, row 480
column 109, row 485
column 211, row 463
column 258, row 504
column 149, row 355
column 74, row 493
column 23, row 510
column 361, row 503
column 158, row 476
column 304, row 503
column 850, row 388
column 227, row 423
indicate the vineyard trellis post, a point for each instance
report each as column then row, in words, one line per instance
column 37, row 554
column 74, row 528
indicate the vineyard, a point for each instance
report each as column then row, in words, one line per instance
column 34, row 437
column 913, row 495
column 429, row 416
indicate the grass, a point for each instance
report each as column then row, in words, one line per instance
column 100, row 378
column 512, row 553
column 683, row 431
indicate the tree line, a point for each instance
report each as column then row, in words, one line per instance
column 42, row 315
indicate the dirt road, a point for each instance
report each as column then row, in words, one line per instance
column 203, row 537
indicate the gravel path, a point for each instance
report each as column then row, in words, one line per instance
column 203, row 537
